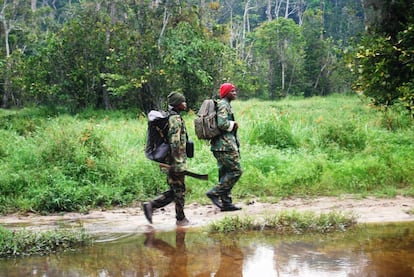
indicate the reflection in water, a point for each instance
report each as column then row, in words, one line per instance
column 261, row 263
column 177, row 265
column 231, row 260
column 383, row 250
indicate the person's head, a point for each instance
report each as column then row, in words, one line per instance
column 228, row 90
column 177, row 101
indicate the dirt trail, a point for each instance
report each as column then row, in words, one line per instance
column 132, row 220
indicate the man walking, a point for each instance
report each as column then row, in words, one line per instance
column 177, row 138
column 225, row 148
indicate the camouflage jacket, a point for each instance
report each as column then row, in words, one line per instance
column 177, row 137
column 227, row 141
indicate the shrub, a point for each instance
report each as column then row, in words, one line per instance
column 275, row 134
column 344, row 135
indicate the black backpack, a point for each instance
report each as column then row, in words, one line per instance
column 157, row 147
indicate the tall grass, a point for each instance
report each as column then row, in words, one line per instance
column 53, row 162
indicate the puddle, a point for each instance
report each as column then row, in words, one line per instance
column 369, row 250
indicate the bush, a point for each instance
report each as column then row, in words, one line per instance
column 275, row 134
column 344, row 135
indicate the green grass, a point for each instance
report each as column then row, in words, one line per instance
column 287, row 222
column 55, row 162
column 25, row 243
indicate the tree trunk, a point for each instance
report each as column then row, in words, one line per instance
column 6, row 28
column 246, row 24
column 7, row 85
column 105, row 99
column 287, row 9
column 283, row 64
column 278, row 5
column 291, row 79
column 322, row 7
column 272, row 79
column 374, row 13
column 301, row 10
column 246, row 28
column 319, row 76
column 164, row 26
column 33, row 5
column 269, row 11
column 105, row 94
column 231, row 27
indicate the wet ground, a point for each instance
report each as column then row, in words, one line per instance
column 128, row 246
column 369, row 250
column 132, row 220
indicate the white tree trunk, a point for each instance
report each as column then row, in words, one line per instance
column 164, row 26
column 278, row 5
column 269, row 10
column 33, row 5
column 287, row 9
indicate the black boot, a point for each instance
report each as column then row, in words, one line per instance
column 214, row 198
column 227, row 204
column 147, row 207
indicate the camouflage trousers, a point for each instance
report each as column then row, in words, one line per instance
column 175, row 194
column 229, row 168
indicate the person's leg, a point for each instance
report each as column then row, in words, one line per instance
column 177, row 184
column 160, row 201
column 163, row 200
column 230, row 170
column 229, row 173
column 214, row 193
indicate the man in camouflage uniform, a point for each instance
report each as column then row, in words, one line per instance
column 225, row 148
column 177, row 137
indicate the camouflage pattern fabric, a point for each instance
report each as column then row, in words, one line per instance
column 227, row 141
column 177, row 136
column 226, row 150
column 229, row 171
column 176, row 194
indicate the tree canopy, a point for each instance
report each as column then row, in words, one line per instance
column 131, row 54
column 383, row 63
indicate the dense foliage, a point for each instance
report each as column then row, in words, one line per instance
column 131, row 54
column 384, row 61
column 83, row 57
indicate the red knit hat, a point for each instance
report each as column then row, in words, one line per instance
column 225, row 89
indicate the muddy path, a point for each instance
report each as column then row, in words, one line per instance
column 132, row 220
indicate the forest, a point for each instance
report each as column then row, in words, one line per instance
column 121, row 54
column 325, row 96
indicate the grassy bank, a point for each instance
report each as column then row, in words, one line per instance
column 25, row 243
column 287, row 222
column 54, row 162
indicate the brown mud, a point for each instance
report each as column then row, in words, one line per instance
column 132, row 219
